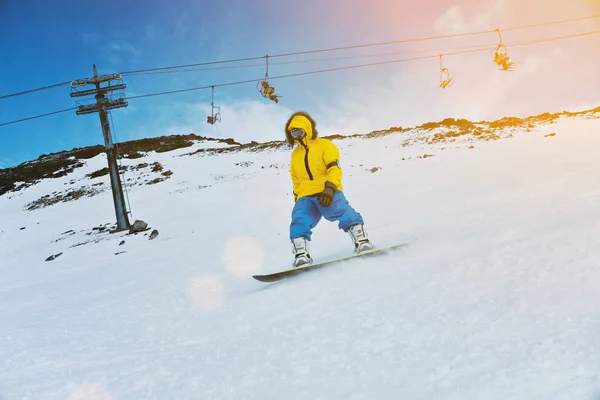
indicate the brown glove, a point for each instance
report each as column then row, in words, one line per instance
column 326, row 196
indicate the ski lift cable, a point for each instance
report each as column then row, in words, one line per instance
column 360, row 65
column 34, row 90
column 373, row 44
column 38, row 116
column 313, row 60
column 317, row 51
column 520, row 43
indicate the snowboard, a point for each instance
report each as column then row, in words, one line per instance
column 277, row 276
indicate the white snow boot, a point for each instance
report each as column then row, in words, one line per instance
column 301, row 254
column 360, row 239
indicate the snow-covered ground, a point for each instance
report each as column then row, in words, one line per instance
column 496, row 297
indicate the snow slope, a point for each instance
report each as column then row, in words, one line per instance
column 497, row 296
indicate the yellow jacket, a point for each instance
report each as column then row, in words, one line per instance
column 313, row 161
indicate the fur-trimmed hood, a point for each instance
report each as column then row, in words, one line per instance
column 313, row 134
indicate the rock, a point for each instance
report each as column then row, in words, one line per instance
column 122, row 243
column 138, row 226
column 99, row 173
column 153, row 234
column 62, row 197
column 157, row 167
column 53, row 257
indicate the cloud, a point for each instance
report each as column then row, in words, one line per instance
column 6, row 162
column 123, row 48
column 130, row 109
column 89, row 38
column 151, row 32
column 119, row 52
column 181, row 23
column 179, row 26
column 454, row 20
column 242, row 120
column 413, row 96
column 532, row 64
column 249, row 120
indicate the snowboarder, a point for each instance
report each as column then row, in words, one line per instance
column 317, row 186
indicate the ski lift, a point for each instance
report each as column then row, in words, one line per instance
column 266, row 90
column 445, row 78
column 213, row 118
column 501, row 58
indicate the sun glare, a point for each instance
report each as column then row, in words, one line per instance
column 242, row 256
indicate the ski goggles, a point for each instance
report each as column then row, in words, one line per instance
column 297, row 133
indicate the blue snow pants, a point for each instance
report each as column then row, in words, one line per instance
column 307, row 213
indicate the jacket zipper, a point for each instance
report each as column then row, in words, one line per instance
column 306, row 162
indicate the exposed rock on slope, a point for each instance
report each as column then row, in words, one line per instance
column 62, row 163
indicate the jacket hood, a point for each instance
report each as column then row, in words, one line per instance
column 302, row 120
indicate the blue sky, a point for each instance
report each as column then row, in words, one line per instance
column 47, row 42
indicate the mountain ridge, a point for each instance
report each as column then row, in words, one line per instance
column 60, row 164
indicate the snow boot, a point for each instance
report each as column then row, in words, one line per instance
column 360, row 239
column 301, row 254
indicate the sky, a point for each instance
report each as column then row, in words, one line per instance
column 45, row 43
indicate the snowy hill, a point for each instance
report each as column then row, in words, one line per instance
column 496, row 297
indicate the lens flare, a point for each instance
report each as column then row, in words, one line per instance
column 242, row 256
